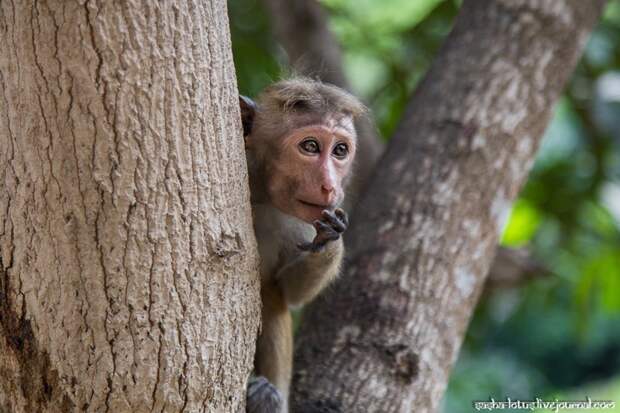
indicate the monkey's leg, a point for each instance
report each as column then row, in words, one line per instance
column 274, row 356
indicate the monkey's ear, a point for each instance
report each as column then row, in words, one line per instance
column 248, row 111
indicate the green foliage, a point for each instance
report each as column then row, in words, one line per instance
column 522, row 225
column 564, row 332
column 388, row 45
column 377, row 18
column 600, row 276
column 255, row 52
column 557, row 335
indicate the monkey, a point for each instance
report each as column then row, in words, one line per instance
column 300, row 144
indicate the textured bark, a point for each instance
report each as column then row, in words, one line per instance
column 128, row 267
column 301, row 26
column 419, row 250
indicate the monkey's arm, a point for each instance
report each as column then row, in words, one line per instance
column 302, row 279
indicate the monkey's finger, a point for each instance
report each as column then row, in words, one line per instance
column 321, row 241
column 311, row 246
column 332, row 235
column 326, row 232
column 321, row 226
column 325, row 237
column 342, row 216
column 306, row 246
column 318, row 247
column 334, row 221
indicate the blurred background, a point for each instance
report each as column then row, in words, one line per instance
column 556, row 335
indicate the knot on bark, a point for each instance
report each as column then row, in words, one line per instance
column 402, row 360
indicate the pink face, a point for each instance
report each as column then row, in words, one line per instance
column 308, row 175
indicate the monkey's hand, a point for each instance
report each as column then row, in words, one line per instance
column 328, row 229
column 263, row 397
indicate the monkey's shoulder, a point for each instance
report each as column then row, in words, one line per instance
column 278, row 235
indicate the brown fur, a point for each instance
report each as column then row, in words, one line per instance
column 307, row 95
column 297, row 102
column 281, row 176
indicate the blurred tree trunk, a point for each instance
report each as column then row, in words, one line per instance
column 128, row 268
column 302, row 27
column 385, row 337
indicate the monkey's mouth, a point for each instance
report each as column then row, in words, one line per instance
column 310, row 204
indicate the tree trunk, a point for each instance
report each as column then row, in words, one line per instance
column 128, row 267
column 385, row 337
column 302, row 28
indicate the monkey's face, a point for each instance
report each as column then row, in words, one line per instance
column 308, row 173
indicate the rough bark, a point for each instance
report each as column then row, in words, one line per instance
column 128, row 268
column 385, row 337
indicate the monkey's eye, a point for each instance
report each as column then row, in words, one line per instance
column 310, row 145
column 341, row 150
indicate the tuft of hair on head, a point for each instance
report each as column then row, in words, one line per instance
column 306, row 94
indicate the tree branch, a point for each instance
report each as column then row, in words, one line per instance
column 302, row 28
column 420, row 248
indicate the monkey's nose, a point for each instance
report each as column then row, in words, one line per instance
column 329, row 193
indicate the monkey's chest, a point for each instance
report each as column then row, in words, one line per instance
column 278, row 235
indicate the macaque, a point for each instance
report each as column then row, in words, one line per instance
column 300, row 144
